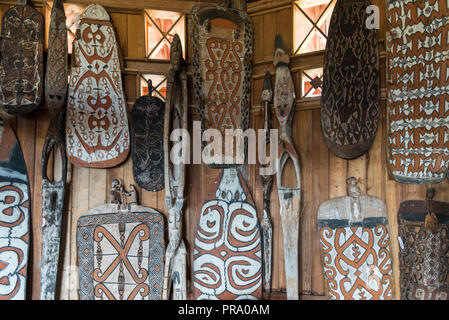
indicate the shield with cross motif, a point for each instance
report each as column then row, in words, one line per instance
column 97, row 133
column 120, row 252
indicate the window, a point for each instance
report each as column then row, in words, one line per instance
column 311, row 83
column 72, row 12
column 160, row 27
column 311, row 21
column 159, row 84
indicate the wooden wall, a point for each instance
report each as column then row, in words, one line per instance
column 323, row 174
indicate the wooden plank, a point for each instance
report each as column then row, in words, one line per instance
column 258, row 39
column 269, row 33
column 337, row 176
column 320, row 193
column 120, row 23
column 80, row 205
column 301, row 130
column 136, row 36
column 285, row 27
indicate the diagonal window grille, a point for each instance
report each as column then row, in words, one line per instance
column 311, row 21
column 160, row 27
column 159, row 83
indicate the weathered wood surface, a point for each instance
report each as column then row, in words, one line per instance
column 120, row 249
column 97, row 121
column 14, row 217
column 227, row 253
column 222, row 41
column 267, row 182
column 289, row 197
column 175, row 118
column 21, row 59
column 147, row 143
column 417, row 51
column 53, row 192
column 424, row 256
column 355, row 246
column 350, row 102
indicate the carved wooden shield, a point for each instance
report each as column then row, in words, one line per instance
column 147, row 142
column 355, row 249
column 227, row 256
column 222, row 40
column 350, row 102
column 418, row 103
column 120, row 252
column 97, row 122
column 14, row 216
column 21, row 59
column 424, row 255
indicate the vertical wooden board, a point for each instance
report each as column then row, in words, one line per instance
column 120, row 23
column 415, row 192
column 79, row 206
column 255, row 96
column 381, row 4
column 357, row 168
column 320, row 193
column 136, row 36
column 269, row 33
column 337, row 176
column 285, row 27
column 130, row 88
column 258, row 39
column 98, row 189
column 302, row 137
column 441, row 191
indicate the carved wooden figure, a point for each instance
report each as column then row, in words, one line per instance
column 424, row 254
column 350, row 102
column 355, row 246
column 267, row 182
column 21, row 59
column 147, row 143
column 97, row 121
column 53, row 191
column 175, row 273
column 14, row 216
column 222, row 44
column 417, row 81
column 227, row 255
column 120, row 250
column 289, row 198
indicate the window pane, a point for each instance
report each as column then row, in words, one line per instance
column 159, row 85
column 161, row 26
column 312, row 82
column 312, row 18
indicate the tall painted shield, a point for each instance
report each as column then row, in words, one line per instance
column 21, row 59
column 147, row 141
column 417, row 86
column 350, row 102
column 222, row 41
column 227, row 254
column 424, row 249
column 97, row 133
column 14, row 216
column 355, row 247
column 120, row 250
